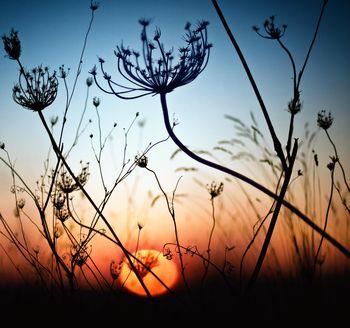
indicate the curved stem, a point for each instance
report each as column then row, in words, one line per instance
column 172, row 213
column 244, row 178
column 326, row 220
column 276, row 142
column 206, row 264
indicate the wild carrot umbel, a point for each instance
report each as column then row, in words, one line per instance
column 160, row 73
column 159, row 80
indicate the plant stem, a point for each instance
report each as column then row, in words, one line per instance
column 124, row 250
column 244, row 178
column 326, row 220
column 276, row 142
column 273, row 222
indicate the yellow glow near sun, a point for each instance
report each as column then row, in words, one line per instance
column 166, row 270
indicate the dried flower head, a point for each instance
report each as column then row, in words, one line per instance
column 215, row 189
column 324, row 120
column 295, row 105
column 330, row 166
column 167, row 253
column 36, row 89
column 141, row 161
column 272, row 31
column 21, row 203
column 53, row 120
column 80, row 253
column 149, row 259
column 94, row 5
column 58, row 231
column 66, row 184
column 96, row 101
column 2, row 145
column 89, row 81
column 59, row 204
column 115, row 269
column 160, row 73
column 12, row 45
column 63, row 72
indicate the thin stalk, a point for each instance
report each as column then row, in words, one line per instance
column 249, row 181
column 206, row 264
column 59, row 155
column 172, row 213
column 326, row 219
column 276, row 142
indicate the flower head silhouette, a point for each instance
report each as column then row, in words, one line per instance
column 324, row 119
column 155, row 71
column 36, row 89
column 12, row 45
column 272, row 31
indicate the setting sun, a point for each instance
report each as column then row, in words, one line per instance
column 166, row 270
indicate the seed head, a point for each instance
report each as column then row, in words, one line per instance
column 272, row 31
column 12, row 45
column 215, row 189
column 89, row 81
column 94, row 5
column 324, row 119
column 36, row 89
column 141, row 161
column 160, row 74
column 96, row 101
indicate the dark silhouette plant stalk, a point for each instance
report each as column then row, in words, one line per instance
column 274, row 33
column 171, row 210
column 86, row 194
column 162, row 77
column 251, row 182
column 276, row 142
column 327, row 215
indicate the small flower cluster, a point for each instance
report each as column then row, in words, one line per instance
column 37, row 88
column 21, row 203
column 12, row 45
column 67, row 185
column 324, row 120
column 331, row 165
column 96, row 101
column 141, row 161
column 167, row 253
column 80, row 254
column 272, row 31
column 160, row 74
column 295, row 105
column 148, row 259
column 215, row 189
column 115, row 269
column 59, row 205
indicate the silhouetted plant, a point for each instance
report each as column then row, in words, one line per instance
column 163, row 77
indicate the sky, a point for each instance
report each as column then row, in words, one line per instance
column 52, row 34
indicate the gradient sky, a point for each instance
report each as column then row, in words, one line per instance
column 52, row 34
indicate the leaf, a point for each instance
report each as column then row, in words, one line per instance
column 223, row 150
column 186, row 169
column 234, row 119
column 155, row 200
column 253, row 118
column 175, row 153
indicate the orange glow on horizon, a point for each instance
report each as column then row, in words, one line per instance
column 166, row 270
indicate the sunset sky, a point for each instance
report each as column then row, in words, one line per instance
column 52, row 34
